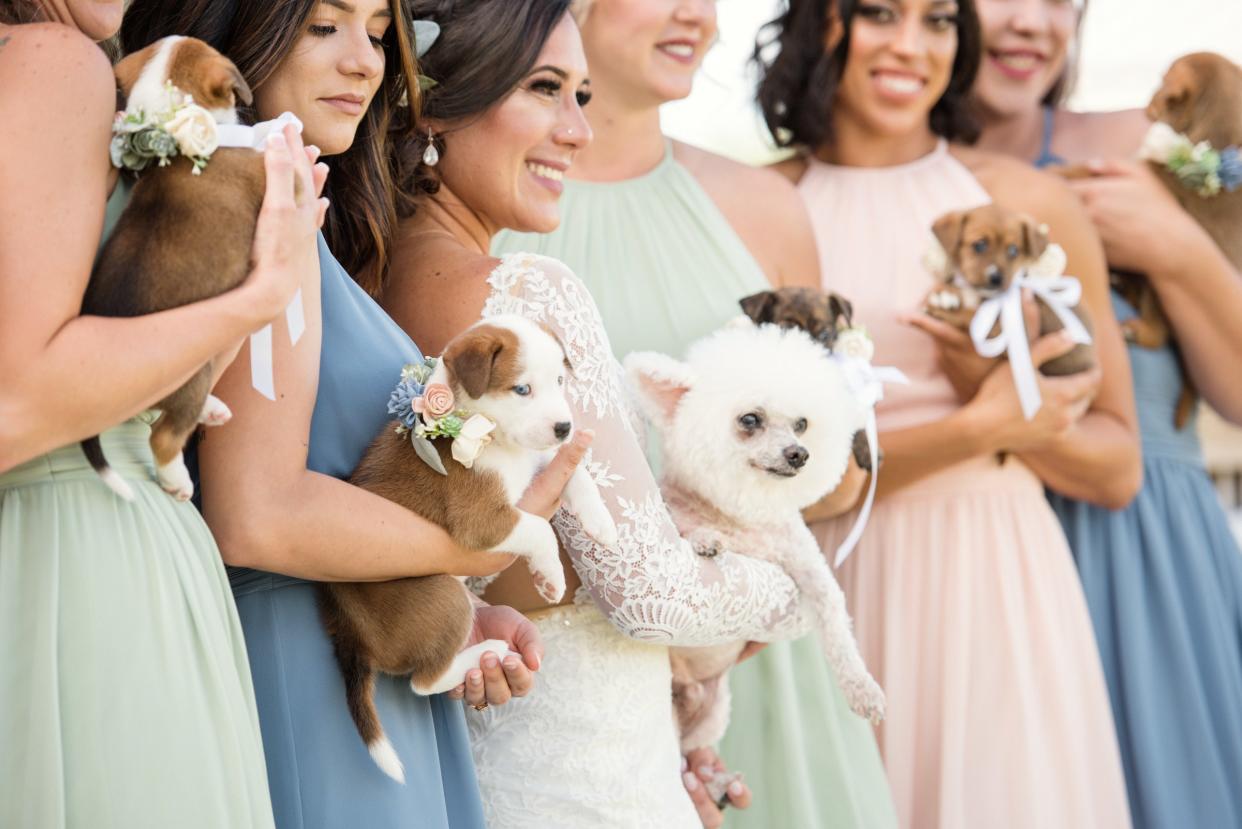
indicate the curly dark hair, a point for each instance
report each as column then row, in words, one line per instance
column 365, row 187
column 484, row 50
column 799, row 78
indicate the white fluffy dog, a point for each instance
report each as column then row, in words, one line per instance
column 756, row 424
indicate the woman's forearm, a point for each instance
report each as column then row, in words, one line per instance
column 323, row 529
column 921, row 451
column 1098, row 460
column 96, row 372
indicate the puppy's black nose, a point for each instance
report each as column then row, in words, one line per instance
column 995, row 277
column 796, row 456
column 562, row 429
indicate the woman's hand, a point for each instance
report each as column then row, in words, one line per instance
column 293, row 211
column 699, row 767
column 958, row 358
column 497, row 681
column 1065, row 400
column 543, row 496
column 1139, row 221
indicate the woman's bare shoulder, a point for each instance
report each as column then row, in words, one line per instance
column 1082, row 136
column 51, row 53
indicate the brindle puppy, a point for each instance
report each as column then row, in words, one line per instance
column 820, row 315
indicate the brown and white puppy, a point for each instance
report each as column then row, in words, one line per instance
column 1201, row 97
column 512, row 371
column 822, row 315
column 182, row 238
column 986, row 248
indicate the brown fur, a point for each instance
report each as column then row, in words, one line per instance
column 415, row 626
column 822, row 315
column 1201, row 96
column 988, row 246
column 182, row 238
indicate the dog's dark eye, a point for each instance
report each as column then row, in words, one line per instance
column 522, row 390
column 799, row 425
column 1012, row 251
column 980, row 246
column 750, row 421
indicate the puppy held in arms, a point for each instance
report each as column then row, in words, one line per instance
column 471, row 431
column 1195, row 148
column 187, row 231
column 756, row 424
column 981, row 260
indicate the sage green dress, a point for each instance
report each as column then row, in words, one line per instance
column 125, row 693
column 666, row 268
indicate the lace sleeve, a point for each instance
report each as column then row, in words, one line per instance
column 652, row 585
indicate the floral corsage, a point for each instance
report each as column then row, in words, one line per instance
column 181, row 127
column 1198, row 167
column 426, row 410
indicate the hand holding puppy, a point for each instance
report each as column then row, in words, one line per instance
column 499, row 677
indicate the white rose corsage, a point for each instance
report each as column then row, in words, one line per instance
column 427, row 410
column 180, row 127
column 1198, row 167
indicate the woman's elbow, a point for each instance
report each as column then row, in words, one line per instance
column 1123, row 487
column 246, row 537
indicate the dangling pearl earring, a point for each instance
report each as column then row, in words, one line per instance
column 431, row 156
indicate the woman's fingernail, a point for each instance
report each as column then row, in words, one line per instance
column 490, row 661
column 685, row 764
column 707, row 772
column 511, row 663
column 476, row 678
column 538, row 661
column 735, row 789
column 276, row 140
column 692, row 782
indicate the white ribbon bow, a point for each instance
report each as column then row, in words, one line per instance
column 1060, row 293
column 867, row 383
column 262, row 376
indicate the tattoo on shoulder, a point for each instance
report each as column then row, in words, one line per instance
column 3, row 41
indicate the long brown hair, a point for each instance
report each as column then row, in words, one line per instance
column 366, row 185
column 16, row 12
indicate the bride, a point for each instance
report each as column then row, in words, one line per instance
column 595, row 744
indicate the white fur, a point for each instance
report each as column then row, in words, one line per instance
column 215, row 412
column 175, row 478
column 385, row 756
column 117, row 484
column 149, row 93
column 455, row 673
column 728, row 471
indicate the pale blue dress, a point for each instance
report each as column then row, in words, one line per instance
column 320, row 773
column 1163, row 580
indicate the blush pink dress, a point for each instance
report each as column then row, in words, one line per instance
column 964, row 595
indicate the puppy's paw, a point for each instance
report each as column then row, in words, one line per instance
column 944, row 301
column 866, row 699
column 214, row 413
column 174, row 479
column 597, row 522
column 455, row 673
column 550, row 582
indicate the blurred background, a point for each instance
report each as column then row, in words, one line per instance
column 1126, row 46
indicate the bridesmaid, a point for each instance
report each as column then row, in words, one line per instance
column 125, row 697
column 668, row 238
column 1163, row 577
column 963, row 591
column 272, row 479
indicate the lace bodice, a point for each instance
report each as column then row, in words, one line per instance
column 652, row 586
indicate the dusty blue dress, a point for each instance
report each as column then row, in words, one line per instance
column 320, row 773
column 1163, row 580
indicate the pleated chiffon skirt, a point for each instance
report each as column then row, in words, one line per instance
column 969, row 613
column 125, row 693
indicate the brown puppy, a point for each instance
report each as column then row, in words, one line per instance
column 1201, row 97
column 182, row 238
column 510, row 371
column 821, row 315
column 986, row 248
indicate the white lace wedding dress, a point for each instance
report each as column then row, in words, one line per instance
column 595, row 745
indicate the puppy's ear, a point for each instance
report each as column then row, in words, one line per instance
column 1170, row 103
column 839, row 308
column 949, row 230
column 225, row 83
column 473, row 356
column 759, row 306
column 659, row 382
column 1034, row 237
